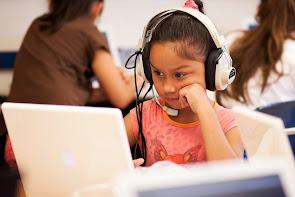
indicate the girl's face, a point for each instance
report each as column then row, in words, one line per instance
column 172, row 72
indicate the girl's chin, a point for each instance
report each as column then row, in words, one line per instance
column 175, row 106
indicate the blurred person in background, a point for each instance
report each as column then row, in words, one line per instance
column 60, row 54
column 264, row 59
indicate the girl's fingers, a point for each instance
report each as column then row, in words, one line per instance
column 182, row 97
column 138, row 162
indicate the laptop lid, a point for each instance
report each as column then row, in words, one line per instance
column 59, row 148
column 262, row 134
column 221, row 179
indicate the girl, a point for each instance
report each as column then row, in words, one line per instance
column 264, row 57
column 202, row 130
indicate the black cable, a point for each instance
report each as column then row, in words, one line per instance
column 138, row 109
column 140, row 132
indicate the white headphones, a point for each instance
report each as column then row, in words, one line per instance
column 219, row 70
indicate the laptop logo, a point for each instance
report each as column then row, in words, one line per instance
column 68, row 158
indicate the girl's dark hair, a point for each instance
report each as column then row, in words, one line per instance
column 192, row 37
column 63, row 11
column 261, row 48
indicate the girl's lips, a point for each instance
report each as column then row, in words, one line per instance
column 172, row 99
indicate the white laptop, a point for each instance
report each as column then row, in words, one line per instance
column 263, row 135
column 269, row 178
column 60, row 149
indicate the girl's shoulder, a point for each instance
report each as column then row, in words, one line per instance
column 38, row 21
column 287, row 63
column 82, row 24
column 226, row 118
column 222, row 112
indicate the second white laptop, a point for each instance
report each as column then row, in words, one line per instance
column 263, row 135
column 270, row 177
column 60, row 149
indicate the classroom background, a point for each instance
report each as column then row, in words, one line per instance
column 123, row 19
column 126, row 18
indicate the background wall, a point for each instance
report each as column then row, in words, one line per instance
column 125, row 18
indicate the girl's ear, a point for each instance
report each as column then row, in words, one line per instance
column 96, row 10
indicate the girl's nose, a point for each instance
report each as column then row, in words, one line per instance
column 169, row 86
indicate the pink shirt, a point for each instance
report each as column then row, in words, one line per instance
column 169, row 140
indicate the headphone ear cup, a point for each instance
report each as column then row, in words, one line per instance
column 210, row 68
column 146, row 65
column 225, row 73
column 140, row 70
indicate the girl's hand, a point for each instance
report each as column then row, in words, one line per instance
column 193, row 95
column 138, row 162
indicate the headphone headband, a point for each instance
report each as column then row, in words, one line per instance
column 218, row 39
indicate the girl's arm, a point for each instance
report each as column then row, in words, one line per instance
column 129, row 130
column 132, row 139
column 119, row 90
column 217, row 145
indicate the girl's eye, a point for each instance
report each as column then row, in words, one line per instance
column 158, row 73
column 178, row 75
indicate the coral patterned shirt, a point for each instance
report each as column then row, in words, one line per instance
column 169, row 140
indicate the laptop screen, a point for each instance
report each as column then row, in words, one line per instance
column 255, row 187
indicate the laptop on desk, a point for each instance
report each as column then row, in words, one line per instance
column 60, row 149
column 269, row 178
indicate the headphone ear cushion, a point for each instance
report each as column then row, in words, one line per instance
column 147, row 65
column 210, row 68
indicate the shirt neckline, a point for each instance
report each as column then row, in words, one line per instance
column 182, row 125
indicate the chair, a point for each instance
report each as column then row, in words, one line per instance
column 283, row 110
column 7, row 59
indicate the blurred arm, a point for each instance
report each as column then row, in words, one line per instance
column 121, row 92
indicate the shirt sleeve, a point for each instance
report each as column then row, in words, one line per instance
column 227, row 120
column 96, row 41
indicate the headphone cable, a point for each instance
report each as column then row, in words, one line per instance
column 138, row 108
